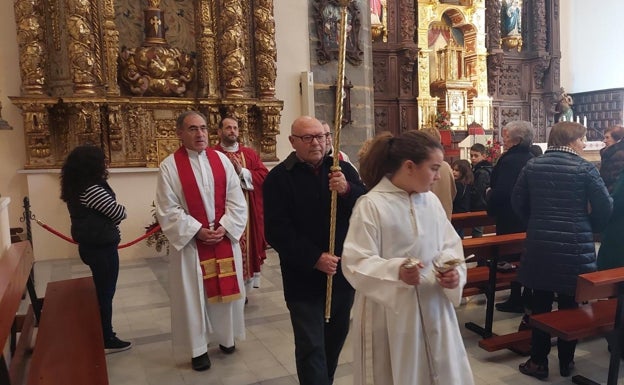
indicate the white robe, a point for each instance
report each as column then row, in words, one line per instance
column 415, row 335
column 194, row 322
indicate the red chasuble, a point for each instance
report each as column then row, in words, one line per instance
column 253, row 244
column 216, row 261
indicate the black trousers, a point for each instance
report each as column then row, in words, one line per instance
column 104, row 264
column 317, row 343
column 541, row 302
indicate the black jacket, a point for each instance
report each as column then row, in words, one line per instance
column 502, row 182
column 482, row 172
column 296, row 223
column 552, row 195
column 91, row 227
column 612, row 164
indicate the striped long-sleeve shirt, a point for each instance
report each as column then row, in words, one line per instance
column 98, row 198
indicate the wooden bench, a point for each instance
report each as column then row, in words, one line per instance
column 69, row 347
column 490, row 249
column 16, row 329
column 472, row 219
column 592, row 319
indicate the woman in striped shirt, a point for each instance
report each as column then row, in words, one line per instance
column 95, row 216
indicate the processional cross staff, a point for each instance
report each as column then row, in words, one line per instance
column 342, row 50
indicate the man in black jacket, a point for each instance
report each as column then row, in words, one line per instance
column 297, row 195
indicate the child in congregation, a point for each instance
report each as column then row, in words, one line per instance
column 462, row 172
column 481, row 170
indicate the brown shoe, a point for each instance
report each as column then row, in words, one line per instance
column 532, row 369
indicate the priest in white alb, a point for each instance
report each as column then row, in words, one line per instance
column 201, row 209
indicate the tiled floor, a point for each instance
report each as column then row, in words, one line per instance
column 141, row 314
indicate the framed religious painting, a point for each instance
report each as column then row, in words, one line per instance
column 328, row 18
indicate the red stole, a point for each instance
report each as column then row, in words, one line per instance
column 216, row 261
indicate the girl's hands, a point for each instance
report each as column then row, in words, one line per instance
column 448, row 279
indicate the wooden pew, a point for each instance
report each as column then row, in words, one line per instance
column 472, row 219
column 69, row 347
column 490, row 249
column 15, row 278
column 596, row 318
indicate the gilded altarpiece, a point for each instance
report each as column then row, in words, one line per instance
column 411, row 84
column 116, row 73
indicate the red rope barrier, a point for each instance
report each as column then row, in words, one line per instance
column 58, row 234
column 68, row 239
column 139, row 239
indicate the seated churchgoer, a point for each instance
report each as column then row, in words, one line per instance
column 563, row 199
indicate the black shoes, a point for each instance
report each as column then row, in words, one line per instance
column 201, row 363
column 524, row 323
column 532, row 369
column 510, row 306
column 227, row 350
column 566, row 369
column 114, row 345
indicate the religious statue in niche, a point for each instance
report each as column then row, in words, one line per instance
column 511, row 23
column 378, row 20
column 511, row 17
column 328, row 18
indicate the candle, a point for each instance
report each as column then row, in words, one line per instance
column 578, row 119
column 585, row 121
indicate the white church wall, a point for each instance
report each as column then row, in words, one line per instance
column 590, row 45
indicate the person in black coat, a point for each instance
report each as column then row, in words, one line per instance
column 297, row 196
column 564, row 201
column 517, row 139
column 95, row 216
column 612, row 156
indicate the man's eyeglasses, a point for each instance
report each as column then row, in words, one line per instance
column 196, row 129
column 308, row 138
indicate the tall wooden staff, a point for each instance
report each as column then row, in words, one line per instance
column 342, row 50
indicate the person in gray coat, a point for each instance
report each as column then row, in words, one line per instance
column 564, row 201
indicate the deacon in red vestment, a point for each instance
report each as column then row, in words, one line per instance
column 252, row 172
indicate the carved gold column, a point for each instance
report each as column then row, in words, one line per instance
column 427, row 105
column 269, row 122
column 38, row 138
column 207, row 66
column 111, row 48
column 32, row 52
column 231, row 49
column 81, row 46
column 266, row 53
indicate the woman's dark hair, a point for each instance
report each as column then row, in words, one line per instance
column 564, row 133
column 465, row 171
column 386, row 154
column 617, row 132
column 84, row 167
